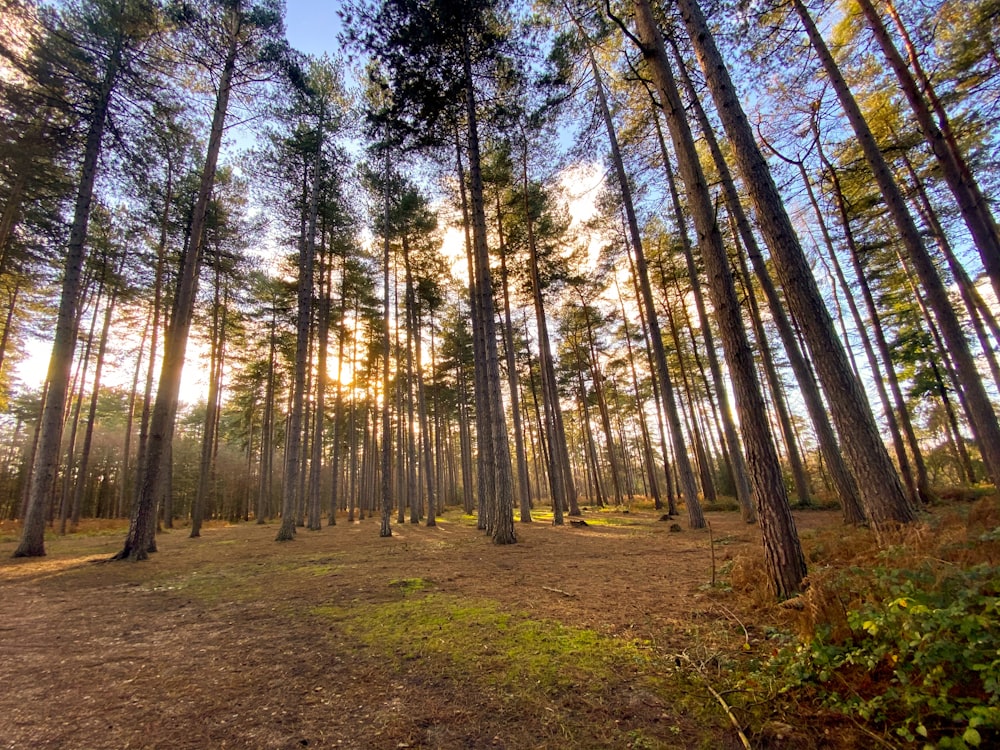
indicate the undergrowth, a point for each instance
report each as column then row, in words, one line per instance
column 905, row 640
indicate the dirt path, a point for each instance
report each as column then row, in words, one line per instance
column 220, row 642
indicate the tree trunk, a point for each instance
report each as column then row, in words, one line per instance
column 696, row 519
column 984, row 420
column 597, row 377
column 738, row 462
column 465, row 442
column 46, row 459
column 657, row 391
column 783, row 555
column 540, row 424
column 939, row 343
column 647, row 444
column 524, row 489
column 206, row 466
column 88, row 435
column 424, row 451
column 385, row 528
column 484, row 453
column 126, row 469
column 502, row 511
column 923, row 493
column 795, row 462
column 743, row 231
column 323, row 336
column 560, row 475
column 142, row 528
column 878, row 484
column 690, row 417
column 590, row 449
column 267, row 426
column 338, row 408
column 80, row 381
column 980, row 313
column 410, row 437
column 293, row 481
column 155, row 317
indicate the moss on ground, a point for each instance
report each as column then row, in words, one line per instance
column 540, row 665
column 479, row 638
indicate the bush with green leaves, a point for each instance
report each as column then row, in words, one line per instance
column 922, row 659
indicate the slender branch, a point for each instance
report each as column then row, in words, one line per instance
column 621, row 25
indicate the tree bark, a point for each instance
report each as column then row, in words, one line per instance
column 484, row 434
column 696, row 519
column 923, row 492
column 267, row 425
column 657, row 391
column 125, row 480
column 385, row 527
column 524, row 489
column 980, row 313
column 560, row 474
column 647, row 444
column 807, row 384
column 323, row 336
column 338, row 409
column 502, row 481
column 79, row 383
column 738, row 462
column 88, row 435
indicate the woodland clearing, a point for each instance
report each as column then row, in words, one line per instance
column 609, row 635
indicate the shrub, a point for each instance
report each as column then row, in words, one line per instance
column 920, row 656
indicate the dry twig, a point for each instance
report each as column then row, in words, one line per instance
column 559, row 591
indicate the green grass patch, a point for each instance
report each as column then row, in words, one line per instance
column 11, row 531
column 476, row 639
column 409, row 585
column 579, row 687
column 594, row 517
column 608, row 520
column 459, row 517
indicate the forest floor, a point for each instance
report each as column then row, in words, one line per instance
column 611, row 635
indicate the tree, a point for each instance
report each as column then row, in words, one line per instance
column 935, row 126
column 881, row 493
column 783, row 555
column 102, row 42
column 226, row 237
column 538, row 232
column 685, row 473
column 239, row 38
column 322, row 110
column 430, row 52
column 983, row 416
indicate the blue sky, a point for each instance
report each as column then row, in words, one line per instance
column 312, row 25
